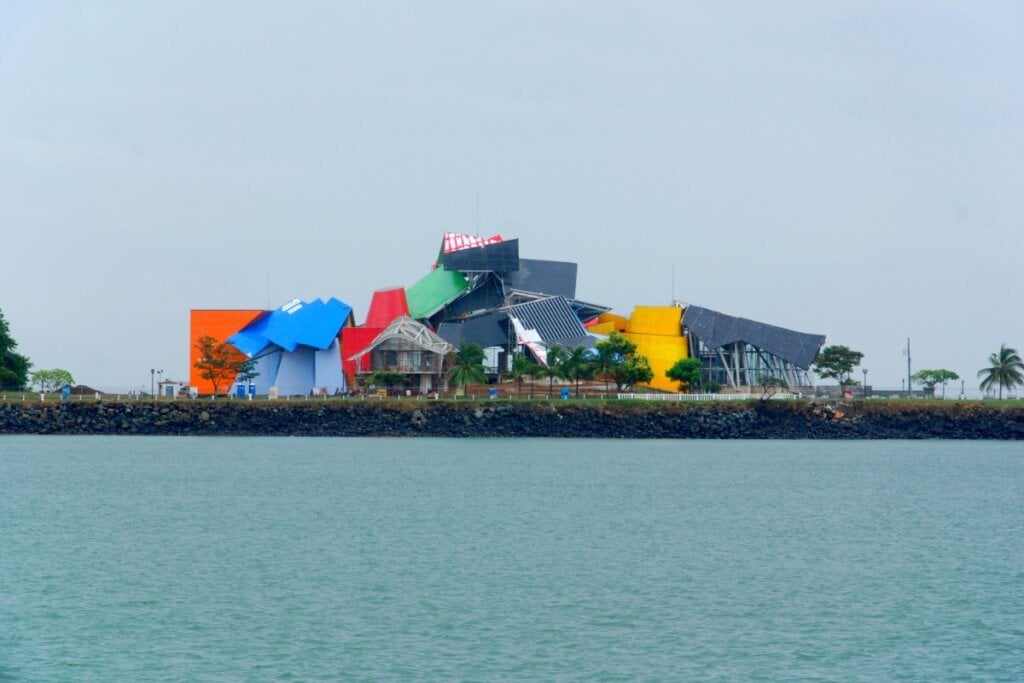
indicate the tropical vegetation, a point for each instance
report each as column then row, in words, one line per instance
column 522, row 367
column 14, row 367
column 467, row 367
column 837, row 362
column 620, row 363
column 553, row 369
column 220, row 362
column 687, row 372
column 929, row 379
column 51, row 380
column 1005, row 369
column 771, row 385
column 576, row 366
column 384, row 378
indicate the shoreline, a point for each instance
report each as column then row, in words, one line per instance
column 790, row 419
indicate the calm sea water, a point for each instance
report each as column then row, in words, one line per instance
column 329, row 559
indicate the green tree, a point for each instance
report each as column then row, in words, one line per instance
column 219, row 362
column 468, row 366
column 929, row 379
column 770, row 385
column 385, row 378
column 576, row 366
column 522, row 366
column 636, row 370
column 247, row 373
column 837, row 362
column 1005, row 370
column 605, row 362
column 51, row 380
column 687, row 372
column 619, row 362
column 14, row 367
column 553, row 369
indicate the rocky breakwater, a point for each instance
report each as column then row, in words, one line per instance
column 597, row 419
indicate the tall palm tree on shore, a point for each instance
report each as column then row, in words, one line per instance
column 576, row 366
column 468, row 366
column 522, row 366
column 1006, row 369
column 553, row 369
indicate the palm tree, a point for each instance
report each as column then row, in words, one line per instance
column 1006, row 369
column 468, row 366
column 553, row 368
column 523, row 366
column 577, row 366
column 608, row 359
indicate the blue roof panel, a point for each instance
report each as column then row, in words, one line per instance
column 251, row 340
column 315, row 324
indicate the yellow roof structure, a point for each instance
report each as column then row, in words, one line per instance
column 660, row 320
column 602, row 328
column 618, row 322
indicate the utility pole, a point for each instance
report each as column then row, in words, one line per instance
column 910, row 390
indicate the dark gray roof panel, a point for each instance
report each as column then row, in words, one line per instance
column 554, row 278
column 501, row 257
column 485, row 294
column 553, row 318
column 451, row 332
column 489, row 329
column 569, row 345
column 718, row 329
column 587, row 311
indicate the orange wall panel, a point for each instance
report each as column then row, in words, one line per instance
column 219, row 324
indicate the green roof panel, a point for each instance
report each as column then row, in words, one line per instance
column 433, row 291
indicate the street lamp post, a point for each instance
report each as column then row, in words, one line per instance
column 159, row 378
column 152, row 375
column 865, row 371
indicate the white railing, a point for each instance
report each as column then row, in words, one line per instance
column 703, row 397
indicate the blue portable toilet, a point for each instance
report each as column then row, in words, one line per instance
column 492, row 392
column 65, row 393
column 240, row 390
column 565, row 393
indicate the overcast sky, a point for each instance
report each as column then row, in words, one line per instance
column 846, row 168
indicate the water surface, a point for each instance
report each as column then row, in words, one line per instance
column 323, row 559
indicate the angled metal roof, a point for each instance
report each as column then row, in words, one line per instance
column 552, row 278
column 410, row 330
column 551, row 317
column 251, row 339
column 385, row 306
column 315, row 324
column 571, row 344
column 488, row 329
column 718, row 329
column 433, row 291
column 484, row 293
column 584, row 310
column 587, row 311
column 499, row 257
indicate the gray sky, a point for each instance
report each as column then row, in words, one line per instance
column 847, row 168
